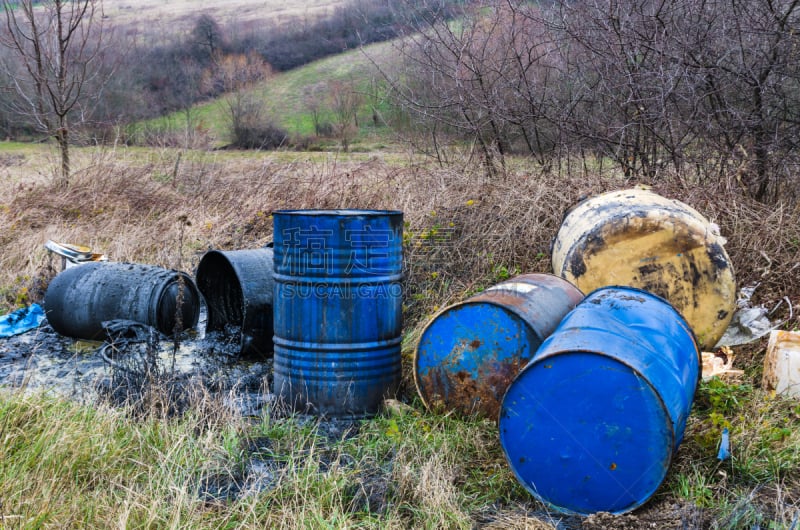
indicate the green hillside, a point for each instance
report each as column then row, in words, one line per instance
column 286, row 101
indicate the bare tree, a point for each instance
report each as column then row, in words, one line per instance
column 207, row 38
column 710, row 86
column 58, row 44
column 345, row 101
column 250, row 126
column 312, row 102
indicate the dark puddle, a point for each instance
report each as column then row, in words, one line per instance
column 43, row 361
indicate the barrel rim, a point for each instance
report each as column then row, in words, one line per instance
column 233, row 260
column 203, row 275
column 340, row 212
column 526, row 277
column 565, row 510
column 672, row 307
column 157, row 296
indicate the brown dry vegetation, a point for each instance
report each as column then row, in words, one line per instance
column 463, row 233
column 176, row 16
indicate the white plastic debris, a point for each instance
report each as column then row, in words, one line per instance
column 73, row 254
column 750, row 323
column 782, row 363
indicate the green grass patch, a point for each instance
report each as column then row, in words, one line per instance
column 285, row 98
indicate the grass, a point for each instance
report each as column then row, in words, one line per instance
column 284, row 96
column 67, row 465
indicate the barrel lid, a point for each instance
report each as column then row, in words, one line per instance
column 586, row 433
column 178, row 290
column 468, row 355
column 339, row 212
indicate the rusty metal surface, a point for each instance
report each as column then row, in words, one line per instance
column 470, row 352
column 640, row 239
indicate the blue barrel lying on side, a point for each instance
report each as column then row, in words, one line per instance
column 337, row 309
column 471, row 351
column 592, row 422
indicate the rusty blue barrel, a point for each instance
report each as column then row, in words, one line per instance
column 592, row 422
column 337, row 309
column 470, row 352
column 81, row 298
column 237, row 287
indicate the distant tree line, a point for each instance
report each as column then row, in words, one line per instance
column 158, row 74
column 709, row 88
column 171, row 74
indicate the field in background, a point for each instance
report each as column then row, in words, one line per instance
column 408, row 467
column 171, row 17
column 286, row 97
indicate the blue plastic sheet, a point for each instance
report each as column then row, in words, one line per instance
column 21, row 320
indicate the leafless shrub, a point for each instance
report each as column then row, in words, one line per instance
column 694, row 87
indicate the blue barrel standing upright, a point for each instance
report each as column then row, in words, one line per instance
column 337, row 309
column 592, row 422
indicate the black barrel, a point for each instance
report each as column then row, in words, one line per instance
column 81, row 298
column 237, row 287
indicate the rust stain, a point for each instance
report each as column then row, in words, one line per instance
column 613, row 466
column 475, row 344
column 468, row 395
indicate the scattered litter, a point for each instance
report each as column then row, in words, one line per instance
column 719, row 363
column 21, row 320
column 724, row 445
column 397, row 408
column 751, row 323
column 72, row 255
column 782, row 363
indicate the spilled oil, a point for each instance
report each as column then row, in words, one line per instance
column 41, row 360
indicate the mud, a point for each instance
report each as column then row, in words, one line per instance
column 41, row 360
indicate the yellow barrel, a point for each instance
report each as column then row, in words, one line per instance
column 640, row 239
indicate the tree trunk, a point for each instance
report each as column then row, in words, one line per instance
column 62, row 137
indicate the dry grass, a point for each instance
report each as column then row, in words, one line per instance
column 407, row 470
column 167, row 18
column 463, row 232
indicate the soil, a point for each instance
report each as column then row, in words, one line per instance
column 41, row 360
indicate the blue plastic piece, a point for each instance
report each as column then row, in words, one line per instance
column 724, row 445
column 337, row 309
column 21, row 320
column 591, row 423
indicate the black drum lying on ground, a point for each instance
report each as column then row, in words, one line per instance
column 81, row 298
